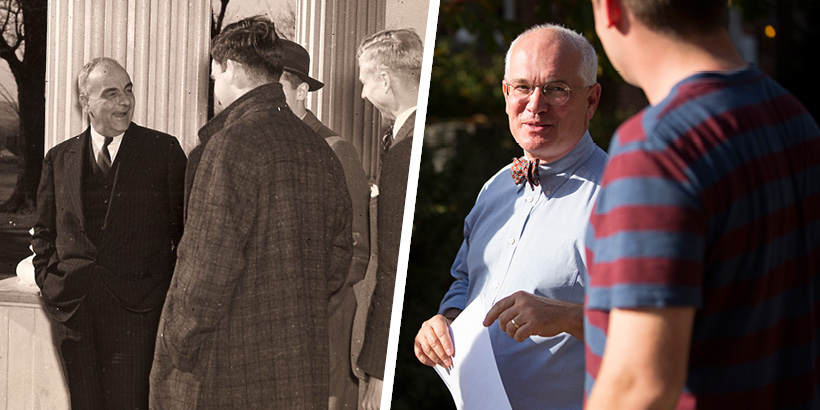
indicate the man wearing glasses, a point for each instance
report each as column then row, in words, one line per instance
column 523, row 240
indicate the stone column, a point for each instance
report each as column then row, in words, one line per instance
column 163, row 44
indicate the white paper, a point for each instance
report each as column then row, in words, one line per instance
column 473, row 379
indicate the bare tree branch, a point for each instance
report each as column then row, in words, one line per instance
column 18, row 27
column 8, row 51
column 7, row 15
column 216, row 26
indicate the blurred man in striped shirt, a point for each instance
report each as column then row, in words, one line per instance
column 704, row 244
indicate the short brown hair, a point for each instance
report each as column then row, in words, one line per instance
column 252, row 42
column 681, row 18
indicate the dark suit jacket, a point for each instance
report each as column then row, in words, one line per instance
column 392, row 189
column 267, row 240
column 135, row 256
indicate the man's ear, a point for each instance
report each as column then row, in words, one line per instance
column 230, row 66
column 302, row 92
column 84, row 103
column 613, row 11
column 236, row 73
column 386, row 79
column 593, row 98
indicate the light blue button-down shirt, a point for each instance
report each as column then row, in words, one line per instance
column 516, row 238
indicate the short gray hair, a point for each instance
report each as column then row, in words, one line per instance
column 82, row 78
column 589, row 59
column 399, row 50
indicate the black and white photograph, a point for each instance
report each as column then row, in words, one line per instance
column 202, row 202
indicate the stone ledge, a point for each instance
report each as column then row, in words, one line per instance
column 13, row 292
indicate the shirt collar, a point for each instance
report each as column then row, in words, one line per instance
column 100, row 138
column 554, row 174
column 401, row 119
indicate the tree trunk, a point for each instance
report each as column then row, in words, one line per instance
column 30, row 76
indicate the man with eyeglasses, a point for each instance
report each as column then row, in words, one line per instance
column 523, row 240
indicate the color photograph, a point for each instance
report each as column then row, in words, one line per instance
column 691, row 138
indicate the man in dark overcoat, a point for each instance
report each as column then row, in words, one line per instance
column 109, row 217
column 267, row 241
column 389, row 70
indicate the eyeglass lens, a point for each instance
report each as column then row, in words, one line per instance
column 557, row 93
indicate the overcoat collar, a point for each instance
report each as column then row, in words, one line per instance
column 260, row 98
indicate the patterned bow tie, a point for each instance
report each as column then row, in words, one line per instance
column 525, row 170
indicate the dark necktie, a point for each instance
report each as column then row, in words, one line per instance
column 387, row 139
column 524, row 170
column 104, row 159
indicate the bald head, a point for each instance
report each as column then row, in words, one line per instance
column 568, row 41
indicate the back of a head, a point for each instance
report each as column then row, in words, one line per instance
column 398, row 50
column 253, row 42
column 680, row 18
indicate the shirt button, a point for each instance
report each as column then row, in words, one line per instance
column 549, row 192
column 511, row 241
column 495, row 285
column 529, row 199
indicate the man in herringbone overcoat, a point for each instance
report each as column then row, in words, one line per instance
column 268, row 239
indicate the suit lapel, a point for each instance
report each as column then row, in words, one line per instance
column 127, row 155
column 74, row 171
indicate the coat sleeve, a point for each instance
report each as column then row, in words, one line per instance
column 45, row 232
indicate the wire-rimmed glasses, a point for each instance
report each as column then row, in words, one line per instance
column 556, row 92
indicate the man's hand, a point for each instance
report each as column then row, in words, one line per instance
column 433, row 343
column 372, row 394
column 536, row 315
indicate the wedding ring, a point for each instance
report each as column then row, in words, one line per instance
column 515, row 324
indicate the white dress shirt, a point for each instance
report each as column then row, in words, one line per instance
column 97, row 141
column 401, row 119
